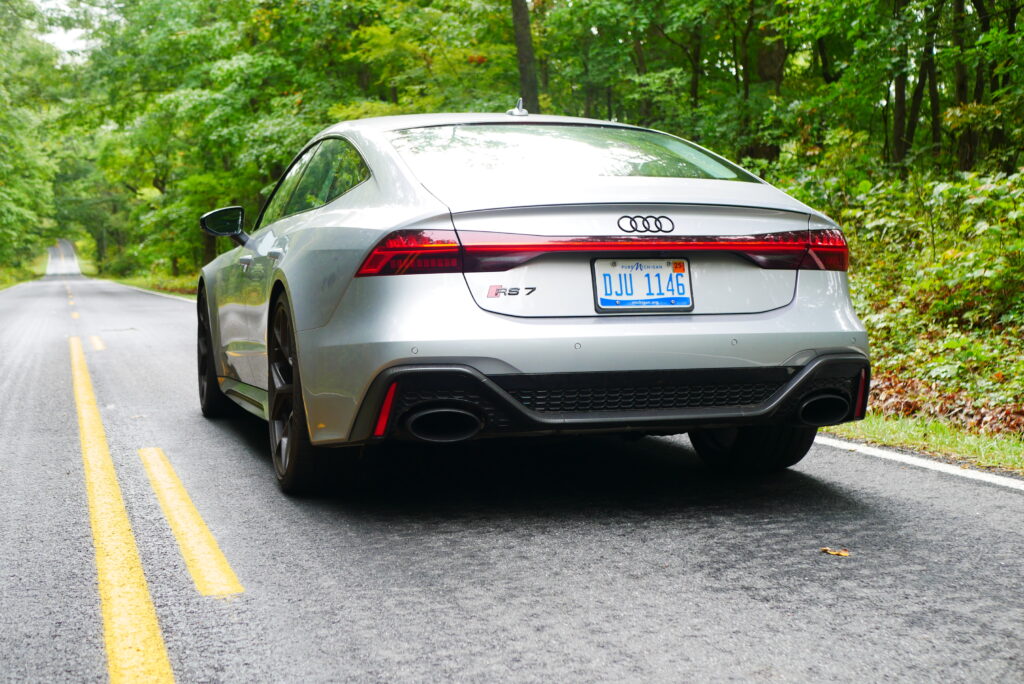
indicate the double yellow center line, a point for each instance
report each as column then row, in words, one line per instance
column 210, row 570
column 135, row 645
column 132, row 636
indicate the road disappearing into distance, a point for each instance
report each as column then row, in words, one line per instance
column 144, row 542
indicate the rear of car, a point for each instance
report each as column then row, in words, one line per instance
column 587, row 278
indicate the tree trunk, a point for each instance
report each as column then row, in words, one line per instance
column 899, row 118
column 590, row 100
column 696, row 62
column 924, row 73
column 524, row 51
column 737, row 76
column 827, row 74
column 641, row 69
column 916, row 98
column 936, row 109
column 209, row 248
column 999, row 137
column 694, row 55
column 899, row 101
column 986, row 73
column 965, row 146
column 1011, row 28
column 771, row 59
column 748, row 28
column 986, row 68
column 886, row 148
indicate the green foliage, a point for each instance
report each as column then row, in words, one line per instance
column 184, row 106
column 25, row 170
column 902, row 119
column 937, row 268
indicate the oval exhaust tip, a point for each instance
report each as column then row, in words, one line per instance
column 444, row 425
column 823, row 409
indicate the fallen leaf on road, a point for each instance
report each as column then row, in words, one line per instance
column 835, row 552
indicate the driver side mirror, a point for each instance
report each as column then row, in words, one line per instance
column 226, row 222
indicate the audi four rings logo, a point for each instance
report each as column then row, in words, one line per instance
column 646, row 224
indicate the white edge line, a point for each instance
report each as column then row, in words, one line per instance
column 158, row 294
column 920, row 462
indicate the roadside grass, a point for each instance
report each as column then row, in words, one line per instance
column 938, row 438
column 38, row 266
column 183, row 286
column 84, row 250
column 12, row 275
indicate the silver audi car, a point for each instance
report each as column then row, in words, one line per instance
column 451, row 277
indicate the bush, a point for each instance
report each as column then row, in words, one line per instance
column 937, row 265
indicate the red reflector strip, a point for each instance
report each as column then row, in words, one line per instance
column 385, row 411
column 860, row 408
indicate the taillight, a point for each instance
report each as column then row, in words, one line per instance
column 414, row 251
column 828, row 251
column 797, row 249
column 439, row 251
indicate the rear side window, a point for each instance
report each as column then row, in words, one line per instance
column 335, row 168
column 348, row 170
column 276, row 208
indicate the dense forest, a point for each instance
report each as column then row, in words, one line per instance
column 902, row 119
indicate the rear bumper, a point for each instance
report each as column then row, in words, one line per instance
column 649, row 401
column 431, row 321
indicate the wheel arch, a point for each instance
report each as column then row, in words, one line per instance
column 205, row 293
column 278, row 290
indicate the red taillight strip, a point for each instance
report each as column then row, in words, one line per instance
column 442, row 251
column 414, row 251
column 385, row 411
column 803, row 249
column 484, row 243
column 828, row 250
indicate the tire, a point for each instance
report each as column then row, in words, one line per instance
column 753, row 450
column 213, row 402
column 297, row 463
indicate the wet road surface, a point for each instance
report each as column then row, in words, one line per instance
column 587, row 560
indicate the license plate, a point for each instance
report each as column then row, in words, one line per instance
column 642, row 285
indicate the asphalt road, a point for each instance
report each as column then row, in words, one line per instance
column 595, row 560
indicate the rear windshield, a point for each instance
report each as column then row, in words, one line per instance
column 471, row 153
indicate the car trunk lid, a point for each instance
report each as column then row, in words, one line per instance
column 686, row 258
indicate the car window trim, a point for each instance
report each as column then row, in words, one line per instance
column 361, row 158
column 277, row 186
column 305, row 149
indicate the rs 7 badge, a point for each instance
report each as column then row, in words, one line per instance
column 499, row 290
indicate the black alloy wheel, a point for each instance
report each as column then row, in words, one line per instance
column 213, row 402
column 296, row 461
column 753, row 450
